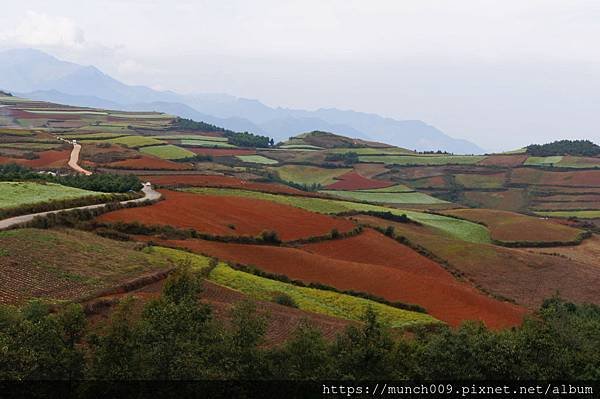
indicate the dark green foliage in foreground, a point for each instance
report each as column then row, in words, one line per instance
column 176, row 337
column 106, row 183
column 564, row 147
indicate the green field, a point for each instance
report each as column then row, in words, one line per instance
column 135, row 141
column 457, row 228
column 15, row 194
column 190, row 137
column 386, row 198
column 480, row 181
column 206, row 143
column 579, row 162
column 302, row 174
column 567, row 214
column 423, row 159
column 167, row 152
column 371, row 151
column 309, row 299
column 543, row 161
column 256, row 159
column 93, row 136
column 398, row 188
column 300, row 147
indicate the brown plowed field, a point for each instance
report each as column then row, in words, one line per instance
column 354, row 181
column 282, row 320
column 220, row 152
column 527, row 276
column 513, row 227
column 47, row 159
column 416, row 280
column 220, row 181
column 151, row 163
column 231, row 216
column 504, row 160
column 576, row 178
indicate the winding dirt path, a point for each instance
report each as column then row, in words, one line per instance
column 149, row 194
column 74, row 159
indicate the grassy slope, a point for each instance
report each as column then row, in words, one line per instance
column 257, row 159
column 309, row 174
column 386, row 197
column 14, row 194
column 167, row 152
column 461, row 229
column 422, row 159
column 308, row 299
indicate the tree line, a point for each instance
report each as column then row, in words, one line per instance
column 106, row 183
column 175, row 337
column 240, row 139
column 584, row 148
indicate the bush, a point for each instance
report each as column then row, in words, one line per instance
column 284, row 299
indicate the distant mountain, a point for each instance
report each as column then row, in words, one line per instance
column 35, row 74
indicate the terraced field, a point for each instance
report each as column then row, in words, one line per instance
column 167, row 152
column 67, row 264
column 593, row 214
column 386, row 198
column 302, row 174
column 231, row 216
column 354, row 181
column 461, row 229
column 205, row 143
column 543, row 161
column 15, row 194
column 486, row 181
column 422, row 159
column 511, row 228
column 259, row 159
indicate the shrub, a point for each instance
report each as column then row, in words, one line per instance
column 284, row 299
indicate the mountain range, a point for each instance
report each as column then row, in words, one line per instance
column 34, row 74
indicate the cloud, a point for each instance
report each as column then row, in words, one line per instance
column 42, row 30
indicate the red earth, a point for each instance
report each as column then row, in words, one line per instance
column 151, row 163
column 231, row 216
column 354, row 181
column 47, row 159
column 504, row 160
column 374, row 264
column 220, row 181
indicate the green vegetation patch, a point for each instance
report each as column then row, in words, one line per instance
column 135, row 141
column 300, row 147
column 14, row 132
column 256, row 159
column 543, row 161
column 461, row 229
column 314, row 300
column 31, row 146
column 191, row 137
column 371, row 151
column 579, row 162
column 398, row 188
column 168, row 151
column 423, row 159
column 568, row 214
column 15, row 194
column 302, row 174
column 93, row 136
column 206, row 143
column 481, row 181
column 386, row 198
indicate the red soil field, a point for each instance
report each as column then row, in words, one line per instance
column 47, row 159
column 405, row 277
column 575, row 178
column 354, row 181
column 147, row 162
column 231, row 216
column 510, row 227
column 220, row 181
column 504, row 160
column 526, row 275
column 220, row 152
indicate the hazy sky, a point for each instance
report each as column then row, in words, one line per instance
column 500, row 73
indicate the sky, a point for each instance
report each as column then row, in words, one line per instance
column 502, row 74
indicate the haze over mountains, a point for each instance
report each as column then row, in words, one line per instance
column 37, row 75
